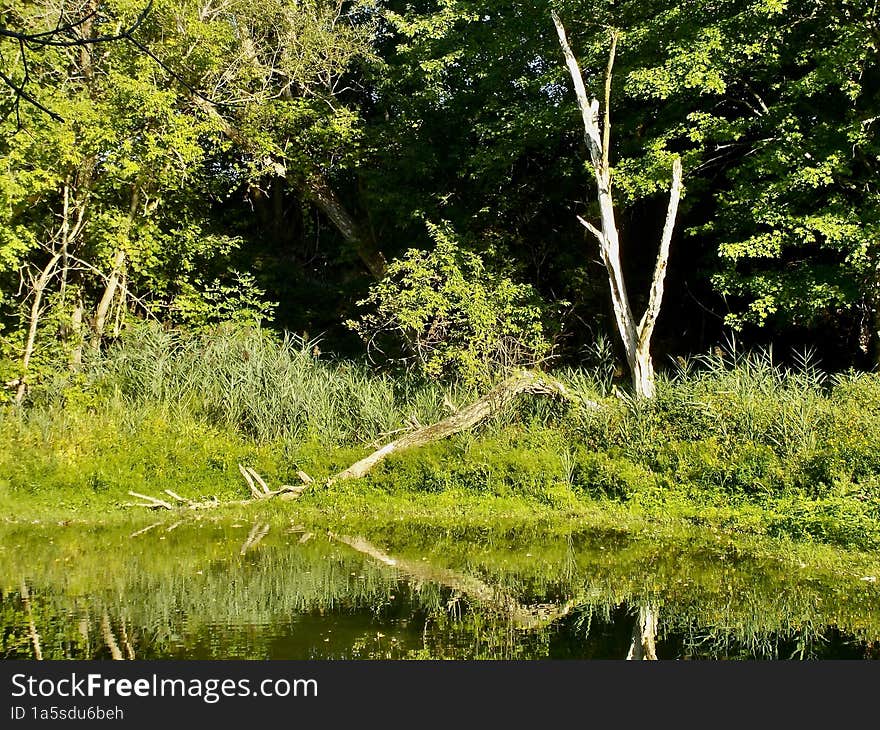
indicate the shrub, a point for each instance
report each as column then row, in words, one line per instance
column 448, row 316
column 606, row 475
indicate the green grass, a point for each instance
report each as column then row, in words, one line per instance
column 734, row 443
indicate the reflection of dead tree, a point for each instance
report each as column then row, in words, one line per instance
column 523, row 616
column 32, row 627
column 84, row 627
column 644, row 635
column 126, row 644
column 258, row 532
column 109, row 638
column 144, row 529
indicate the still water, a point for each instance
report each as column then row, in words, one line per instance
column 202, row 589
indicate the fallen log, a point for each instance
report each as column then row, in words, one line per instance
column 524, row 382
column 496, row 400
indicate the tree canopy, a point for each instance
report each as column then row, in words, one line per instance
column 280, row 161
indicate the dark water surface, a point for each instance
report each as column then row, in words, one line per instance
column 203, row 589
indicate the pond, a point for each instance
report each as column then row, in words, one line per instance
column 214, row 589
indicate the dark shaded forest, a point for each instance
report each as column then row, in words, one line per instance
column 403, row 179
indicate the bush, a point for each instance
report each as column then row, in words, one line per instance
column 606, row 475
column 447, row 316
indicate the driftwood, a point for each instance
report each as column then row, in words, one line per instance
column 521, row 615
column 495, row 401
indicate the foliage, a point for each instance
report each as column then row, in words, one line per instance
column 737, row 442
column 455, row 318
column 772, row 106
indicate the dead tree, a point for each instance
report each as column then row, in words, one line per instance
column 67, row 234
column 636, row 335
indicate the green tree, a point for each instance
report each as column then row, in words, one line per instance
column 771, row 105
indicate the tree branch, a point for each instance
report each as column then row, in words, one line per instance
column 589, row 107
column 606, row 127
column 646, row 326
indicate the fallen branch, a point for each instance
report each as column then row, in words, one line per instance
column 245, row 472
column 523, row 616
column 496, row 400
column 257, row 485
column 151, row 502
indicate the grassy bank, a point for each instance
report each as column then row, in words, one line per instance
column 732, row 443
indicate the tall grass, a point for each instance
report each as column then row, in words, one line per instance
column 266, row 386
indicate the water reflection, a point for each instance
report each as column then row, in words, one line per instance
column 206, row 589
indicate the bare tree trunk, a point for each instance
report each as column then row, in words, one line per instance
column 120, row 306
column 875, row 334
column 871, row 326
column 318, row 190
column 636, row 336
column 39, row 287
column 644, row 635
column 100, row 320
column 76, row 330
column 99, row 323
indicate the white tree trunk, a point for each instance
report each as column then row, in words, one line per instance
column 636, row 336
column 100, row 320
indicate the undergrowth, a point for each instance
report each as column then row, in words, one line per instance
column 734, row 440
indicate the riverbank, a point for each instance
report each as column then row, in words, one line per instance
column 735, row 444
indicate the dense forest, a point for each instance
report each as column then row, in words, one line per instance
column 403, row 179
